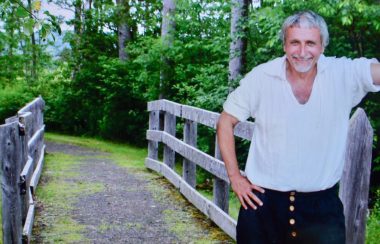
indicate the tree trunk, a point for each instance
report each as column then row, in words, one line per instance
column 238, row 45
column 78, row 30
column 167, row 36
column 33, row 72
column 124, row 33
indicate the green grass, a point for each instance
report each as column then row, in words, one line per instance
column 57, row 196
column 373, row 223
column 123, row 154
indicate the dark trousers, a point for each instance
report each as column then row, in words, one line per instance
column 293, row 217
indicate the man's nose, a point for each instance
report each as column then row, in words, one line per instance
column 302, row 50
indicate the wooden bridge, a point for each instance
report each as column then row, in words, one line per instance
column 22, row 149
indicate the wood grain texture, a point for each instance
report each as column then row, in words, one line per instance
column 218, row 216
column 354, row 184
column 190, row 137
column 11, row 165
column 207, row 162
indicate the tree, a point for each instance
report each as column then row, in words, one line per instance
column 167, row 35
column 238, row 45
column 124, row 33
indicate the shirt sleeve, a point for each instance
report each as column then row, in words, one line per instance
column 243, row 101
column 362, row 79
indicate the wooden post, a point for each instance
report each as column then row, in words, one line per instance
column 154, row 124
column 354, row 184
column 190, row 137
column 169, row 127
column 221, row 188
column 11, row 163
column 24, row 157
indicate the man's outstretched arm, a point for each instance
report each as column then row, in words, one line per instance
column 375, row 72
column 240, row 184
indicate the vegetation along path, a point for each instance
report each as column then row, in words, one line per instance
column 97, row 192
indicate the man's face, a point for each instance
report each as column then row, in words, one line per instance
column 303, row 46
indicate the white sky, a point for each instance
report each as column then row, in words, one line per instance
column 57, row 11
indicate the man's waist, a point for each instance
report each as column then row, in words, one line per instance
column 331, row 190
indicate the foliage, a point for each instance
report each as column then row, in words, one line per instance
column 12, row 98
column 373, row 224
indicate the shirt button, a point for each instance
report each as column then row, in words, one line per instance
column 292, row 221
column 291, row 208
column 292, row 198
column 294, row 234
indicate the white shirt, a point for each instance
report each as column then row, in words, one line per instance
column 294, row 146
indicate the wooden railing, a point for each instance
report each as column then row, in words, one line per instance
column 354, row 185
column 22, row 155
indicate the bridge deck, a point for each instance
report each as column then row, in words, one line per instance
column 86, row 196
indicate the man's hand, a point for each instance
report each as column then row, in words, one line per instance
column 240, row 185
column 243, row 190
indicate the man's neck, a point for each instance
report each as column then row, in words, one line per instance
column 301, row 82
column 295, row 77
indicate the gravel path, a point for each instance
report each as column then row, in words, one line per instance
column 135, row 206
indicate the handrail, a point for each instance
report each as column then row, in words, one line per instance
column 21, row 153
column 355, row 176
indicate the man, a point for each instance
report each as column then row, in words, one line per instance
column 301, row 104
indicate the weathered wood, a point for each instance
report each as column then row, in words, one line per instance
column 28, row 226
column 223, row 220
column 190, row 137
column 154, row 124
column 35, row 144
column 11, row 119
column 207, row 162
column 25, row 165
column 11, row 164
column 201, row 116
column 37, row 172
column 26, row 118
column 25, row 176
column 170, row 128
column 354, row 184
column 243, row 129
column 36, row 107
column 221, row 189
column 165, row 105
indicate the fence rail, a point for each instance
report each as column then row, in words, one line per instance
column 22, row 156
column 354, row 185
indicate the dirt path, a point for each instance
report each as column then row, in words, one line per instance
column 132, row 205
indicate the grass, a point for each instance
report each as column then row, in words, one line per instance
column 373, row 223
column 56, row 196
column 123, row 154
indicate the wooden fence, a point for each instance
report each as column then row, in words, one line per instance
column 354, row 185
column 22, row 155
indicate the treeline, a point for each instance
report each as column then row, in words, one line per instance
column 122, row 54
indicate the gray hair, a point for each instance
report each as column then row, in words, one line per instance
column 307, row 19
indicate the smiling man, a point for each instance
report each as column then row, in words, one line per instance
column 301, row 103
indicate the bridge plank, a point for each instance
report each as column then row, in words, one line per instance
column 28, row 226
column 37, row 172
column 207, row 162
column 223, row 220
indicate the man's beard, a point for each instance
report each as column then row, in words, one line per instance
column 302, row 68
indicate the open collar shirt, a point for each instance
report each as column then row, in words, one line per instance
column 299, row 146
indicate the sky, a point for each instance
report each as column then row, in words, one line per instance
column 57, row 11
